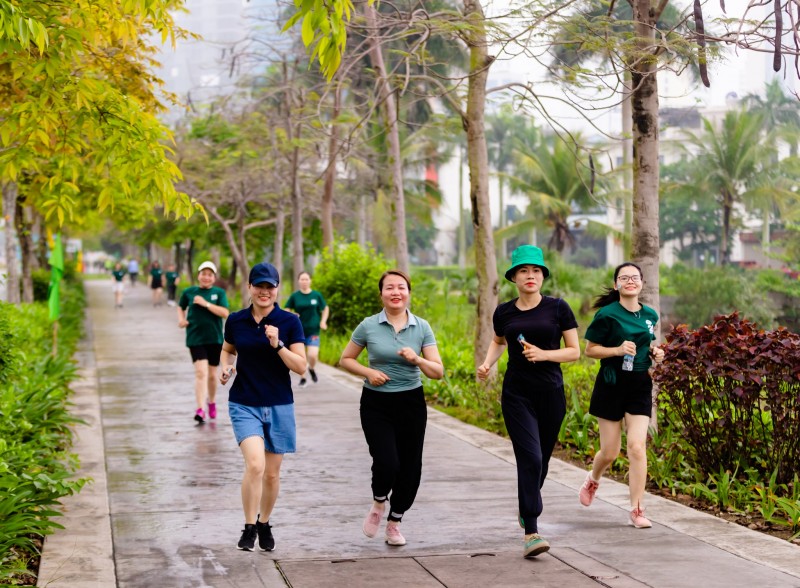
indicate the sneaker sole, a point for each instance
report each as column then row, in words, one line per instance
column 251, row 549
column 635, row 526
column 262, row 549
column 395, row 544
column 537, row 551
column 364, row 530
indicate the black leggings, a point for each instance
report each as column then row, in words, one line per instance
column 394, row 426
column 533, row 418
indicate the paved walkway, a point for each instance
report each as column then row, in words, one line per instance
column 164, row 509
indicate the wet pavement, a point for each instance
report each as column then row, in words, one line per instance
column 164, row 509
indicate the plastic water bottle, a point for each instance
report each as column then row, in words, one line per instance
column 627, row 363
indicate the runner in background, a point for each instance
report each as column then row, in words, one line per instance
column 313, row 311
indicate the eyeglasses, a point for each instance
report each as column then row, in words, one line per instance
column 626, row 279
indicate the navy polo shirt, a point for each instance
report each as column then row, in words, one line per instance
column 262, row 379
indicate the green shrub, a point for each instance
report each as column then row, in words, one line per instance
column 703, row 293
column 36, row 468
column 348, row 278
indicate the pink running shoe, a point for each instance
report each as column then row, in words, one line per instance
column 212, row 410
column 393, row 534
column 372, row 522
column 200, row 416
column 588, row 490
column 638, row 519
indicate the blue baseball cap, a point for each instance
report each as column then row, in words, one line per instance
column 264, row 272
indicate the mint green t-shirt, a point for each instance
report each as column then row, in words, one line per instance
column 377, row 334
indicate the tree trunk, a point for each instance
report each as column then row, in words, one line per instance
column 330, row 174
column 27, row 250
column 361, row 231
column 627, row 148
column 280, row 232
column 298, row 255
column 12, row 269
column 725, row 245
column 478, row 158
column 644, row 102
column 462, row 229
column 503, row 221
column 190, row 262
column 389, row 110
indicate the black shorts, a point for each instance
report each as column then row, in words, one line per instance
column 632, row 394
column 156, row 283
column 209, row 351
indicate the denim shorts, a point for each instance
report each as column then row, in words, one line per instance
column 274, row 424
column 312, row 341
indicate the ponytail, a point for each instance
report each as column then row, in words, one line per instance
column 610, row 295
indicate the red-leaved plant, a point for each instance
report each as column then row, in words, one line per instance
column 734, row 390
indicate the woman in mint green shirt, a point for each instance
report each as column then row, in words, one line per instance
column 623, row 329
column 400, row 346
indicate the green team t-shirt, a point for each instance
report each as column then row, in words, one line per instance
column 171, row 277
column 156, row 273
column 204, row 326
column 614, row 324
column 309, row 307
column 118, row 274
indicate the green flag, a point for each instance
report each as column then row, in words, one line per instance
column 56, row 271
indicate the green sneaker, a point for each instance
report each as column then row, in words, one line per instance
column 535, row 545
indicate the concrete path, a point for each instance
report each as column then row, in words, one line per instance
column 165, row 509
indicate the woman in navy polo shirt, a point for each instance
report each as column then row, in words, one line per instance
column 532, row 326
column 393, row 410
column 268, row 343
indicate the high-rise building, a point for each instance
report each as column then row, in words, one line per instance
column 232, row 32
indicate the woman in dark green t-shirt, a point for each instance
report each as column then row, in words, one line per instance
column 313, row 311
column 620, row 336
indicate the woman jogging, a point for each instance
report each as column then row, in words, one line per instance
column 267, row 343
column 620, row 336
column 156, row 279
column 118, row 285
column 200, row 311
column 313, row 311
column 400, row 346
column 532, row 326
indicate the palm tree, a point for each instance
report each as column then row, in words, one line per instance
column 779, row 112
column 781, row 117
column 730, row 162
column 557, row 181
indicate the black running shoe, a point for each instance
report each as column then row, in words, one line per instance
column 302, row 382
column 313, row 375
column 266, row 542
column 248, row 540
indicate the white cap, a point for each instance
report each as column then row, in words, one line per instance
column 207, row 265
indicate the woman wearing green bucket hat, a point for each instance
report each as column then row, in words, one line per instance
column 532, row 326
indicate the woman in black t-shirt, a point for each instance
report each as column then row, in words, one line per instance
column 532, row 327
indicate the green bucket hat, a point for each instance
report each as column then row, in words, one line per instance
column 526, row 255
